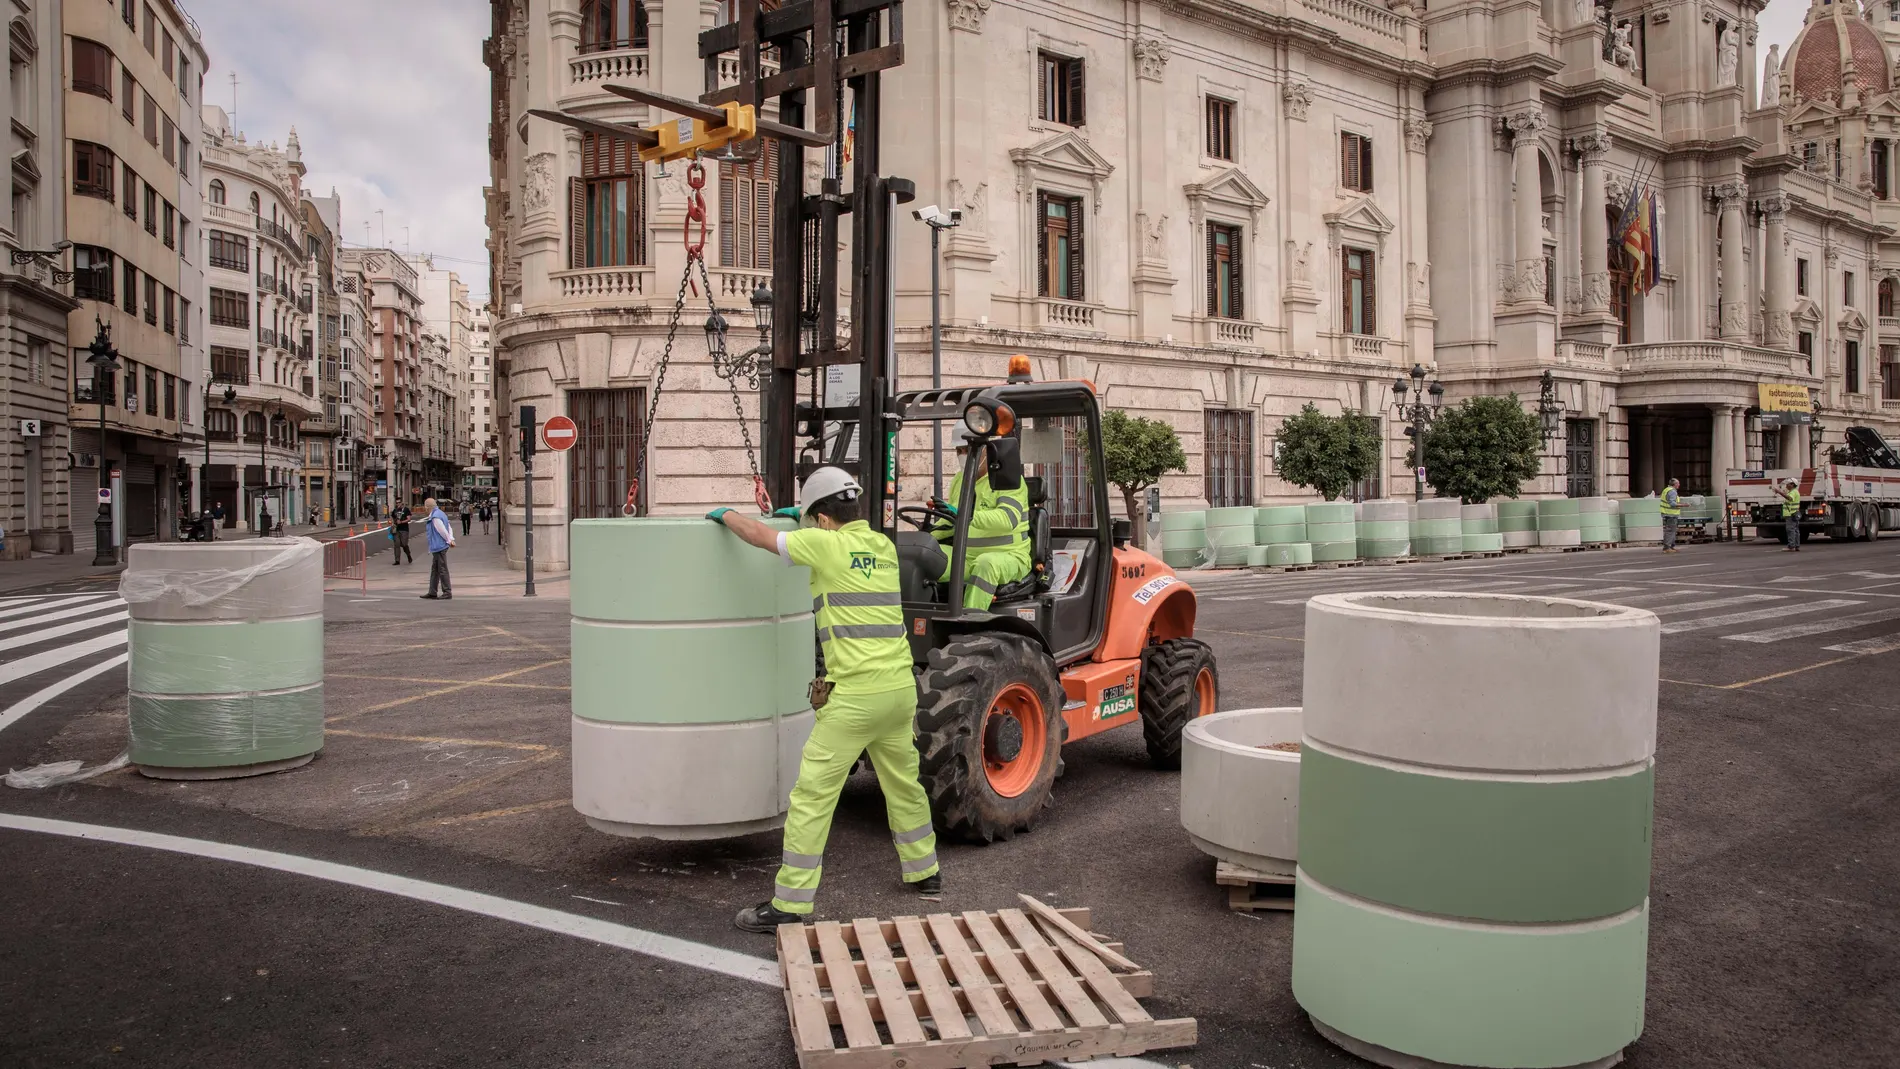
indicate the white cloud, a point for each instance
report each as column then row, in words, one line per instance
column 390, row 102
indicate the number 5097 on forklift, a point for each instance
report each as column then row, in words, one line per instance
column 1098, row 635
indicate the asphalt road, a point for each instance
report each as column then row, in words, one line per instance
column 1775, row 934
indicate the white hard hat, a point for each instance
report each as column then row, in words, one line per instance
column 824, row 483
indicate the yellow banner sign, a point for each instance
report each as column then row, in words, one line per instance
column 1784, row 397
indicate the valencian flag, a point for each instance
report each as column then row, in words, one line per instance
column 1640, row 234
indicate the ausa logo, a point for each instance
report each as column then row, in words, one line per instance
column 863, row 562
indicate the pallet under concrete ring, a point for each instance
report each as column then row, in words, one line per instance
column 950, row 990
column 1250, row 889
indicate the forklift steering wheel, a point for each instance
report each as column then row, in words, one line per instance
column 926, row 516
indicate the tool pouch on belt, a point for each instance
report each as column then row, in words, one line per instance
column 820, row 692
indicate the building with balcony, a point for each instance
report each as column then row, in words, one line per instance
column 447, row 316
column 37, row 507
column 261, row 280
column 393, row 469
column 132, row 141
column 1219, row 212
column 483, row 444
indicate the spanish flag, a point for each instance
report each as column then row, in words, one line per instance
column 1638, row 233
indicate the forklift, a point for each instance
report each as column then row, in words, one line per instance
column 1099, row 634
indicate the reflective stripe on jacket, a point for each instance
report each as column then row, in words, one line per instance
column 1790, row 502
column 999, row 520
column 858, row 605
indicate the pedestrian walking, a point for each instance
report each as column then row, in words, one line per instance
column 263, row 521
column 441, row 538
column 217, row 518
column 1790, row 495
column 485, row 513
column 399, row 534
column 867, row 701
column 468, row 516
column 1671, row 509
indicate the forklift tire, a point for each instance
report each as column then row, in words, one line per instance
column 989, row 735
column 1178, row 683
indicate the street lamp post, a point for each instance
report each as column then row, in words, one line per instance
column 1419, row 413
column 105, row 361
column 204, row 472
column 938, row 222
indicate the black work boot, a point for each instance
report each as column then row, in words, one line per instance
column 930, row 885
column 764, row 918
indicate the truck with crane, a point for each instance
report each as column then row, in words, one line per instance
column 1853, row 496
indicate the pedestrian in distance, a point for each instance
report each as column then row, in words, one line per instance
column 866, row 702
column 399, row 535
column 1671, row 508
column 1790, row 495
column 263, row 521
column 468, row 515
column 441, row 535
column 485, row 513
column 217, row 519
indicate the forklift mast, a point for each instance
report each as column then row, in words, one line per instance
column 830, row 55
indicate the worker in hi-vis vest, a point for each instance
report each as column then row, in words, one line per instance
column 1790, row 494
column 866, row 703
column 1671, row 508
column 997, row 552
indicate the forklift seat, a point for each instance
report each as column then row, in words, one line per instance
column 1032, row 584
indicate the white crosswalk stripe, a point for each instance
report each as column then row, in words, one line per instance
column 61, row 614
column 53, row 658
column 1882, row 644
column 35, row 638
column 52, row 633
column 1819, row 627
column 42, row 605
column 1717, row 603
column 1679, row 626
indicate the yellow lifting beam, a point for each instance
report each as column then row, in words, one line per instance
column 688, row 137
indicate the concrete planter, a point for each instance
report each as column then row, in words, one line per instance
column 692, row 653
column 1240, row 802
column 225, row 674
column 1475, row 827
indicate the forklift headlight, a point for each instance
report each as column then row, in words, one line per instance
column 980, row 419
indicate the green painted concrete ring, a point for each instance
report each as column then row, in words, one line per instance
column 1242, row 516
column 1287, row 554
column 1329, row 512
column 1484, row 543
column 1280, row 535
column 1385, row 529
column 213, row 658
column 1280, row 515
column 1347, row 531
column 682, row 674
column 231, row 731
column 653, row 569
column 1518, row 849
column 1330, row 552
column 1183, row 521
column 1384, row 548
column 1466, row 994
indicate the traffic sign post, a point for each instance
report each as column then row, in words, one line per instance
column 527, row 494
column 559, row 433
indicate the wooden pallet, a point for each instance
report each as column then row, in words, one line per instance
column 1249, row 889
column 951, row 990
column 1278, row 568
column 1338, row 563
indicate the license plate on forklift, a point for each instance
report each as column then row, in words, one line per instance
column 1116, row 701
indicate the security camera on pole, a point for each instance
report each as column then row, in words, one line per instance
column 935, row 218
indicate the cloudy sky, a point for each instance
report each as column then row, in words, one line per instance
column 390, row 102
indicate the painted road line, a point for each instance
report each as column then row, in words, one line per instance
column 1882, row 644
column 44, row 605
column 1600, row 592
column 1750, row 617
column 63, row 614
column 34, row 638
column 40, row 662
column 1718, row 603
column 653, row 944
column 40, row 697
column 1658, row 569
column 1818, row 627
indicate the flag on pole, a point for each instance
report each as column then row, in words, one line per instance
column 1637, row 231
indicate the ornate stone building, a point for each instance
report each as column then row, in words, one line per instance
column 1220, row 210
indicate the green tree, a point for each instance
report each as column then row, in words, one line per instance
column 1138, row 452
column 1327, row 453
column 1483, row 448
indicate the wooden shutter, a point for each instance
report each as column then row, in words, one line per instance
column 762, row 208
column 1237, row 296
column 1365, row 164
column 576, row 223
column 1043, row 250
column 1076, row 115
column 728, row 214
column 1213, row 270
column 1348, row 162
column 1077, row 277
column 1371, row 315
column 1044, row 105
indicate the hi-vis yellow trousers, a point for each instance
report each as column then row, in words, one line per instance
column 880, row 724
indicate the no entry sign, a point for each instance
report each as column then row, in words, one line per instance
column 559, row 433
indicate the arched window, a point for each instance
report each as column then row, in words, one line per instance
column 217, row 192
column 221, row 424
column 257, row 206
column 607, row 25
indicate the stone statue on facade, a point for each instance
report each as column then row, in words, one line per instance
column 1771, row 78
column 1727, row 47
column 1622, row 52
column 1297, row 256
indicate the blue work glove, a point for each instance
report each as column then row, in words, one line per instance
column 718, row 515
column 945, row 506
column 790, row 512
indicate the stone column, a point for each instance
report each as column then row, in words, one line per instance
column 1721, row 444
column 1738, row 421
column 1153, row 277
column 1658, row 454
column 1596, row 228
column 967, row 250
column 1730, row 197
column 1527, row 277
column 1778, row 326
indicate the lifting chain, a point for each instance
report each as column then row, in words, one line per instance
column 724, row 365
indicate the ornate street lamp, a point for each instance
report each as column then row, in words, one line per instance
column 1419, row 413
column 105, row 361
column 762, row 312
column 1550, row 411
column 1816, row 431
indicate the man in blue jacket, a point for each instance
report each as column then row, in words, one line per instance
column 441, row 538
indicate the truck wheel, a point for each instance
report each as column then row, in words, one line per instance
column 1856, row 523
column 989, row 735
column 1178, row 683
